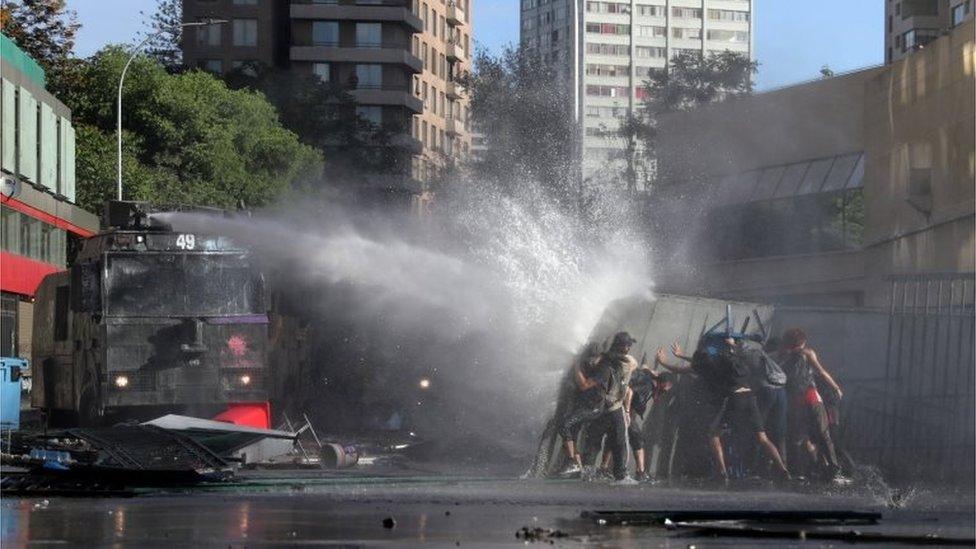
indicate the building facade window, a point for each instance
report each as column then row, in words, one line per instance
column 686, row 13
column 323, row 71
column 371, row 113
column 686, row 33
column 718, row 35
column 607, row 70
column 212, row 65
column 607, row 7
column 648, row 31
column 959, row 13
column 208, row 35
column 370, row 76
column 608, row 49
column 647, row 72
column 606, row 28
column 605, row 112
column 30, row 237
column 369, row 35
column 728, row 15
column 650, row 52
column 246, row 32
column 607, row 91
column 650, row 11
column 325, row 33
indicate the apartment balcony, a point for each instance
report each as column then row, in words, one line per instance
column 396, row 96
column 454, row 90
column 387, row 11
column 407, row 142
column 455, row 15
column 455, row 52
column 394, row 54
column 454, row 125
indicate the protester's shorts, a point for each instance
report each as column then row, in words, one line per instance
column 807, row 421
column 740, row 411
column 635, row 436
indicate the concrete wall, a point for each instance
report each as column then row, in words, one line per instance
column 851, row 344
column 819, row 119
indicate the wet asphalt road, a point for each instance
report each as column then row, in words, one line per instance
column 307, row 508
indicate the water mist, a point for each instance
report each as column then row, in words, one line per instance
column 486, row 303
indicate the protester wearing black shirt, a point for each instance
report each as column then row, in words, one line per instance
column 589, row 376
column 730, row 397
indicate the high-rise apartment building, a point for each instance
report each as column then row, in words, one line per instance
column 400, row 59
column 606, row 49
column 911, row 24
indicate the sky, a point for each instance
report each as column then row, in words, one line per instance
column 793, row 40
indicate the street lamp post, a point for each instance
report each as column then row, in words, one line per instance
column 118, row 113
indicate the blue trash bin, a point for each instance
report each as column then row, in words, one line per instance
column 10, row 374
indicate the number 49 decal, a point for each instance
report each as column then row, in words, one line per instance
column 185, row 242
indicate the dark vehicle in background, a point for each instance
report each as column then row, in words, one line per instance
column 149, row 321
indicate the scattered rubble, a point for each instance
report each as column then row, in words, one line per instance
column 534, row 534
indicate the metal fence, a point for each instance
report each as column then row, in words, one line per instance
column 918, row 421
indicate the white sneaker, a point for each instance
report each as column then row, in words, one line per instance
column 626, row 481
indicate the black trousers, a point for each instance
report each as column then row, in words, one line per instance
column 613, row 425
column 570, row 426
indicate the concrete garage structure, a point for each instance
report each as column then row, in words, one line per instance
column 37, row 212
column 828, row 187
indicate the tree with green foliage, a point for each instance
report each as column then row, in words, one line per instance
column 692, row 79
column 324, row 116
column 689, row 81
column 188, row 137
column 44, row 29
column 165, row 26
column 521, row 105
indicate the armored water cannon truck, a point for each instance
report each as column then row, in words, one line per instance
column 148, row 321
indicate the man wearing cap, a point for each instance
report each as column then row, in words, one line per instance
column 617, row 397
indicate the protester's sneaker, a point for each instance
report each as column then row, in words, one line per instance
column 626, row 481
column 642, row 476
column 599, row 473
column 571, row 471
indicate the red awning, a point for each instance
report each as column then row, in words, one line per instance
column 22, row 275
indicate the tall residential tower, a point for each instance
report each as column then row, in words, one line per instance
column 401, row 60
column 911, row 24
column 606, row 49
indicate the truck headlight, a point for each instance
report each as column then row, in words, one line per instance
column 245, row 379
column 121, row 381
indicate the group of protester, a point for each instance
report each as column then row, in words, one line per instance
column 763, row 404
